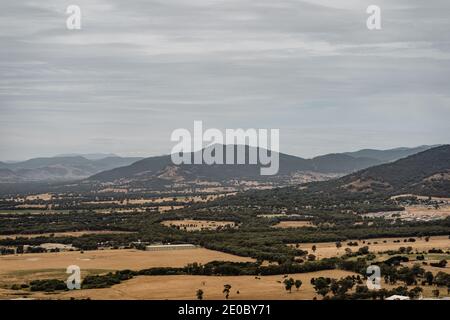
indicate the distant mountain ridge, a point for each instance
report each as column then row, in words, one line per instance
column 89, row 156
column 106, row 168
column 424, row 174
column 58, row 168
column 390, row 154
column 156, row 167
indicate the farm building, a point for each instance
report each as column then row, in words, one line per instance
column 160, row 247
column 397, row 297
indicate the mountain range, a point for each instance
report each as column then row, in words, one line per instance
column 112, row 168
column 331, row 164
column 60, row 168
column 426, row 173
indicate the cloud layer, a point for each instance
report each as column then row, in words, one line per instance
column 140, row 69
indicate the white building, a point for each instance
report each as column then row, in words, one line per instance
column 397, row 297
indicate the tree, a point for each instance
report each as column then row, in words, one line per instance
column 429, row 277
column 322, row 286
column 442, row 279
column 363, row 250
column 415, row 292
column 199, row 294
column 338, row 245
column 341, row 286
column 436, row 293
column 298, row 284
column 314, row 248
column 334, row 286
column 226, row 290
column 288, row 283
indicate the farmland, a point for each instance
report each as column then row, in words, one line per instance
column 21, row 268
column 329, row 249
column 184, row 287
column 249, row 239
column 293, row 224
column 197, row 225
column 61, row 234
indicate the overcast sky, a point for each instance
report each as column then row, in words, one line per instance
column 140, row 69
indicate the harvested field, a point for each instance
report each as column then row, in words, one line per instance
column 163, row 209
column 33, row 211
column 61, row 234
column 19, row 268
column 328, row 249
column 113, row 259
column 31, row 206
column 428, row 211
column 293, row 224
column 42, row 196
column 197, row 225
column 414, row 213
column 184, row 287
column 419, row 197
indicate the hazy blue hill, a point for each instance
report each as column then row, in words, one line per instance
column 390, row 154
column 89, row 156
column 426, row 173
column 49, row 161
column 59, row 168
column 145, row 166
column 413, row 173
column 152, row 167
column 339, row 162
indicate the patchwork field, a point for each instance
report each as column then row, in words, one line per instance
column 328, row 249
column 196, row 225
column 19, row 268
column 61, row 234
column 420, row 197
column 185, row 287
column 426, row 211
column 168, row 208
column 293, row 224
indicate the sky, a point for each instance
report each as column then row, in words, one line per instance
column 139, row 69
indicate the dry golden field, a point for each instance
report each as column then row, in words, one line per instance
column 421, row 211
column 42, row 196
column 162, row 200
column 61, row 234
column 328, row 249
column 420, row 197
column 113, row 259
column 293, row 224
column 196, row 225
column 168, row 208
column 185, row 287
column 30, row 266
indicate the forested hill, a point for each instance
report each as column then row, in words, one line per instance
column 335, row 163
column 426, row 173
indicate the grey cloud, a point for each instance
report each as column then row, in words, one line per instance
column 139, row 69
